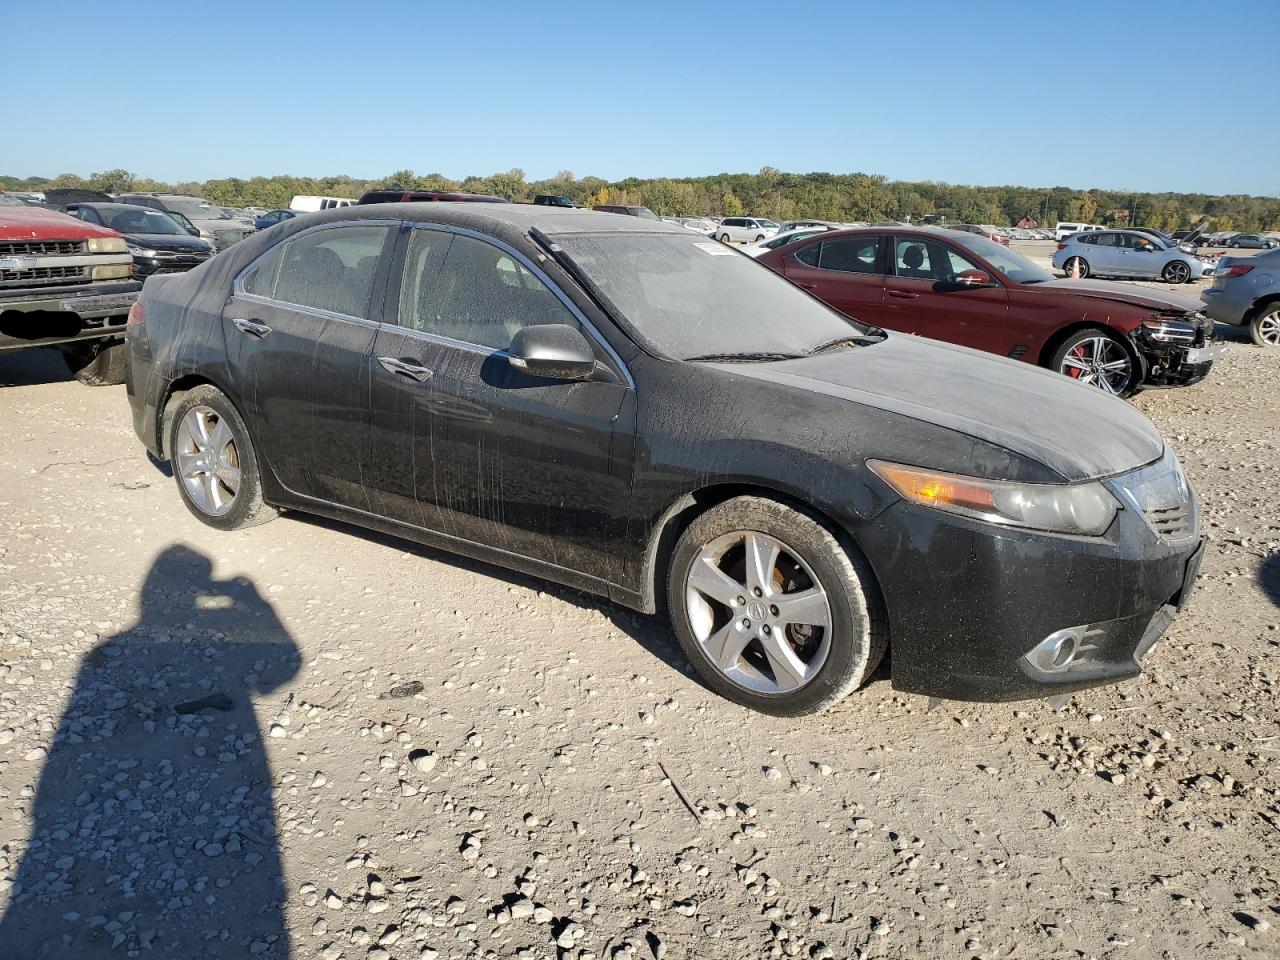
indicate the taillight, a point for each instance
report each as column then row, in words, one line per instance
column 136, row 315
column 1238, row 269
column 1062, row 246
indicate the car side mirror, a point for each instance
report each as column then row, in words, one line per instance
column 555, row 351
column 973, row 278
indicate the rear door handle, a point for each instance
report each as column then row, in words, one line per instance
column 903, row 295
column 411, row 370
column 259, row 330
column 807, row 286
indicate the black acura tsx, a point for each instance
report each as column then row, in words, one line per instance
column 636, row 411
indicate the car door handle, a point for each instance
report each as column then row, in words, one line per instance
column 259, row 330
column 392, row 365
column 807, row 286
column 903, row 295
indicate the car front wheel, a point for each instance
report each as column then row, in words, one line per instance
column 1096, row 358
column 214, row 461
column 1175, row 271
column 97, row 363
column 772, row 610
column 1265, row 328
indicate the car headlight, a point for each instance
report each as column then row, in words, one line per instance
column 1169, row 331
column 1081, row 508
column 108, row 245
column 138, row 251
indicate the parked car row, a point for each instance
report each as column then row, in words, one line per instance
column 666, row 423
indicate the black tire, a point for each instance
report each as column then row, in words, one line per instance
column 1059, row 356
column 1264, row 328
column 1084, row 266
column 759, row 238
column 97, row 363
column 858, row 631
column 1175, row 271
column 724, row 238
column 247, row 507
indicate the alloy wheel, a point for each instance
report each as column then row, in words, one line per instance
column 1099, row 362
column 758, row 612
column 1177, row 272
column 208, row 460
column 1268, row 329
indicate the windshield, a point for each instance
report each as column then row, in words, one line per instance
column 142, row 220
column 697, row 298
column 197, row 209
column 1013, row 265
column 645, row 213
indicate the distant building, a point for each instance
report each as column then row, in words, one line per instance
column 1027, row 223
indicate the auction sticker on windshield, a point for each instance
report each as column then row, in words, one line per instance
column 716, row 249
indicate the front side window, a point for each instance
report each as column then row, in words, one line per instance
column 472, row 291
column 331, row 270
column 919, row 259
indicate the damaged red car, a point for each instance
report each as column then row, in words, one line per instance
column 967, row 290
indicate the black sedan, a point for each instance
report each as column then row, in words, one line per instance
column 625, row 407
column 158, row 241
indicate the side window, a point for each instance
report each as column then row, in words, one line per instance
column 260, row 281
column 331, row 270
column 472, row 291
column 1106, row 240
column 958, row 264
column 89, row 216
column 913, row 260
column 851, row 255
column 809, row 255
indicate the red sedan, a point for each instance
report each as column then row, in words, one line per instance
column 965, row 289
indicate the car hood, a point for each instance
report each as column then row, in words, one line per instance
column 168, row 241
column 1117, row 293
column 39, row 223
column 218, row 225
column 1076, row 431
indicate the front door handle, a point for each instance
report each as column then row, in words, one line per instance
column 412, row 370
column 259, row 330
column 903, row 295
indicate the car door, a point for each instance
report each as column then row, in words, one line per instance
column 1140, row 256
column 468, row 446
column 845, row 272
column 299, row 327
column 924, row 297
column 1106, row 254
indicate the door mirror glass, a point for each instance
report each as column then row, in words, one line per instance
column 555, row 351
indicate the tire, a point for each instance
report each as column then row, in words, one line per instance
column 212, row 496
column 97, row 363
column 1074, row 358
column 1233, row 246
column 759, row 238
column 1084, row 266
column 724, row 238
column 827, row 660
column 1265, row 327
column 1175, row 271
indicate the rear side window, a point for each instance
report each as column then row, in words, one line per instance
column 329, row 270
column 809, row 255
column 851, row 255
column 472, row 291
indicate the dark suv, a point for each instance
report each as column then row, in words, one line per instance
column 420, row 196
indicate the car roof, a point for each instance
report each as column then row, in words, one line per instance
column 101, row 205
column 522, row 216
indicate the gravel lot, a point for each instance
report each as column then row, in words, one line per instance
column 211, row 745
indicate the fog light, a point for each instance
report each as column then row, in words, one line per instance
column 1063, row 649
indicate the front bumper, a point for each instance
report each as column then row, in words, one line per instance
column 1177, row 364
column 969, row 602
column 52, row 315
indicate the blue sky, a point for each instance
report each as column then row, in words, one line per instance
column 1078, row 94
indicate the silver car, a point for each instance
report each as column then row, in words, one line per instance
column 1128, row 253
column 1246, row 291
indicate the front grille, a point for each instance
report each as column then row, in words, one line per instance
column 1171, row 523
column 39, row 275
column 41, row 248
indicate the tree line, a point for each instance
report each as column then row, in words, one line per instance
column 769, row 193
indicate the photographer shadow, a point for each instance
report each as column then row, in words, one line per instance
column 154, row 828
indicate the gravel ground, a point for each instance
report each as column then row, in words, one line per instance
column 304, row 740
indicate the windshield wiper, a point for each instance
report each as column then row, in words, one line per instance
column 874, row 335
column 744, row 357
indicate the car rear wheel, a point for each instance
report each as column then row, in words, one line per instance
column 723, row 238
column 1265, row 328
column 1074, row 263
column 97, row 364
column 214, row 462
column 1094, row 357
column 1175, row 271
column 759, row 238
column 772, row 610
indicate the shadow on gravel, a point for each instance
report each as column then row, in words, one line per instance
column 153, row 823
column 1269, row 577
column 25, row 368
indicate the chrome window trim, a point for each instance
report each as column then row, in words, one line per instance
column 237, row 285
column 587, row 326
